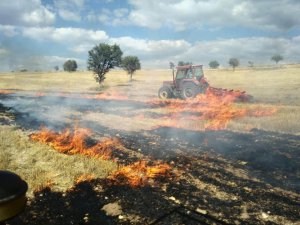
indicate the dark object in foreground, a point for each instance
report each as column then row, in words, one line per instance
column 12, row 195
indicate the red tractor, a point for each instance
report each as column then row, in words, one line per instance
column 187, row 83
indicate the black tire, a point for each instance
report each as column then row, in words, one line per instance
column 189, row 90
column 164, row 93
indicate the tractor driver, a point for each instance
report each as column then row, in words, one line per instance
column 189, row 73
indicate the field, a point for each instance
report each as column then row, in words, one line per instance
column 237, row 165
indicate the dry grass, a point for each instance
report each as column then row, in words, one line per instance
column 40, row 165
column 278, row 85
column 285, row 120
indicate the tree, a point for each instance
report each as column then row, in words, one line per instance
column 70, row 65
column 234, row 62
column 102, row 58
column 182, row 63
column 214, row 64
column 131, row 64
column 277, row 58
column 172, row 65
column 251, row 63
column 56, row 68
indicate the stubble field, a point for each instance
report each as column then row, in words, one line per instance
column 208, row 160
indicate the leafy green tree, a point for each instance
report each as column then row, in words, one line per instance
column 70, row 65
column 214, row 64
column 131, row 64
column 102, row 58
column 56, row 68
column 277, row 58
column 234, row 62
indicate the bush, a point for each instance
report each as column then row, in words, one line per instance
column 214, row 64
column 277, row 58
column 234, row 62
column 70, row 65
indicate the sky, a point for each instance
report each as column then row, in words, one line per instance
column 42, row 34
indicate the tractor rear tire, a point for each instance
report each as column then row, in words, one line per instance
column 164, row 93
column 189, row 90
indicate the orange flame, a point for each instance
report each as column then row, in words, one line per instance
column 40, row 94
column 74, row 142
column 5, row 92
column 215, row 109
column 140, row 174
column 84, row 177
column 111, row 95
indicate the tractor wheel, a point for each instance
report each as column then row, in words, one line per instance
column 164, row 93
column 189, row 90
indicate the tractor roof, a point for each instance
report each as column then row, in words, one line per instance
column 187, row 67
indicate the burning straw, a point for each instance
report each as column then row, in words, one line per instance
column 5, row 92
column 215, row 110
column 75, row 142
column 140, row 174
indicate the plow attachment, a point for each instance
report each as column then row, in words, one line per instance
column 235, row 95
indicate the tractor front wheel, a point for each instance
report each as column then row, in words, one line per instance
column 189, row 90
column 164, row 93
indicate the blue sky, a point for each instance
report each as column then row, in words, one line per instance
column 40, row 34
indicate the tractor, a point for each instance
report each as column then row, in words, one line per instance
column 187, row 83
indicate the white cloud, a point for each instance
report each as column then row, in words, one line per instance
column 69, row 10
column 37, row 62
column 8, row 30
column 121, row 12
column 110, row 17
column 25, row 13
column 69, row 15
column 157, row 53
column 151, row 48
column 256, row 49
column 182, row 14
column 68, row 35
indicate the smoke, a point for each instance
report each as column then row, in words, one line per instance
column 59, row 110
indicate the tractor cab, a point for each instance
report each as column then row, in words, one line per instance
column 188, row 81
column 187, row 73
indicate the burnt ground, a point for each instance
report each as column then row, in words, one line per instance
column 225, row 178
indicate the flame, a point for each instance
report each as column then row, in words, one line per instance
column 46, row 184
column 140, row 174
column 84, row 177
column 5, row 92
column 40, row 94
column 215, row 109
column 110, row 95
column 74, row 142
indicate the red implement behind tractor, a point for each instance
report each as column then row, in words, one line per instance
column 188, row 81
